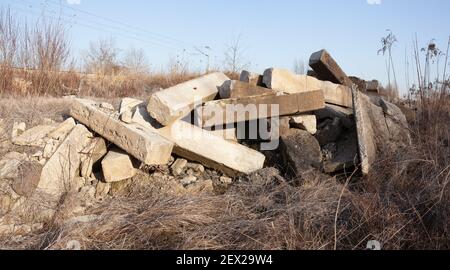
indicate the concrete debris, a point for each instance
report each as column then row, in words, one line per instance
column 117, row 166
column 34, row 136
column 145, row 145
column 196, row 144
column 190, row 136
column 238, row 89
column 178, row 166
column 283, row 80
column 301, row 152
column 305, row 122
column 251, row 78
column 327, row 69
column 92, row 153
column 129, row 104
column 228, row 111
column 61, row 169
column 176, row 102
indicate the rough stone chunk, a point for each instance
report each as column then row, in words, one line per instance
column 34, row 136
column 300, row 151
column 176, row 102
column 128, row 104
column 305, row 122
column 283, row 80
column 237, row 89
column 381, row 127
column 91, row 154
column 145, row 145
column 117, row 166
column 252, row 78
column 59, row 172
column 62, row 130
column 178, row 166
column 229, row 157
column 327, row 69
column 229, row 111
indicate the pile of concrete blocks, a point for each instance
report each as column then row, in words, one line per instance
column 322, row 123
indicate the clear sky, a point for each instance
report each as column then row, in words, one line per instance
column 273, row 33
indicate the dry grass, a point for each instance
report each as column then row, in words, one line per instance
column 404, row 204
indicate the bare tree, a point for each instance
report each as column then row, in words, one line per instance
column 48, row 44
column 299, row 67
column 234, row 56
column 387, row 43
column 9, row 37
column 102, row 57
column 136, row 61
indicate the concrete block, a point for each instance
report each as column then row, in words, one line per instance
column 59, row 172
column 327, row 69
column 146, row 146
column 117, row 166
column 228, row 111
column 176, row 102
column 283, row 80
column 305, row 122
column 251, row 78
column 237, row 89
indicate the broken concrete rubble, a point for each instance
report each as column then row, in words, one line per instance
column 285, row 81
column 117, row 166
column 34, row 136
column 92, row 153
column 145, row 145
column 238, row 89
column 252, row 78
column 379, row 127
column 305, row 122
column 228, row 157
column 301, row 152
column 178, row 166
column 63, row 166
column 62, row 130
column 128, row 104
column 228, row 111
column 176, row 102
column 327, row 69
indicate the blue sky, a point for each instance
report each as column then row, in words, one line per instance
column 273, row 33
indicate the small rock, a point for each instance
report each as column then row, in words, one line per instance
column 226, row 180
column 188, row 180
column 117, row 166
column 34, row 136
column 196, row 167
column 305, row 122
column 27, row 179
column 61, row 132
column 178, row 166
